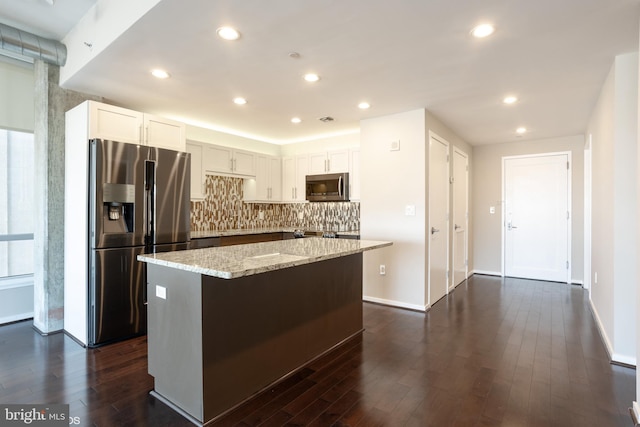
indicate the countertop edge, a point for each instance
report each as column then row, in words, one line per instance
column 151, row 259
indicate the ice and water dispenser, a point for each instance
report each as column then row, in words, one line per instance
column 118, row 207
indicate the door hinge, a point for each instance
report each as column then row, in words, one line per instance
column 567, row 265
column 567, row 165
column 466, row 168
column 447, row 158
column 567, row 214
column 466, row 263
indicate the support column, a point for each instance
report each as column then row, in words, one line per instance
column 51, row 103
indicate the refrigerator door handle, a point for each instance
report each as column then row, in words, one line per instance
column 150, row 197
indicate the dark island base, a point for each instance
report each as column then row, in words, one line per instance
column 213, row 343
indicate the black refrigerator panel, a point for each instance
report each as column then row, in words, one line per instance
column 116, row 194
column 170, row 215
column 117, row 295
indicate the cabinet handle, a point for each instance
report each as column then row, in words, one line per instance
column 146, row 136
column 328, row 165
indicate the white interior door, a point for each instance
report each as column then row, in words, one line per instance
column 460, row 216
column 537, row 217
column 438, row 230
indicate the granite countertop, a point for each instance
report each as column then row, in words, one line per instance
column 230, row 262
column 245, row 231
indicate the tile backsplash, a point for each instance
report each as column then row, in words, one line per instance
column 224, row 209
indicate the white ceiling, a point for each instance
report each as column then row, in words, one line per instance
column 399, row 56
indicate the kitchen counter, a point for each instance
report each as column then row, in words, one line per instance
column 231, row 262
column 225, row 323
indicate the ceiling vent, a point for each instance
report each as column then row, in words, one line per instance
column 326, row 119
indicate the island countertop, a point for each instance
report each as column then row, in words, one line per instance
column 231, row 262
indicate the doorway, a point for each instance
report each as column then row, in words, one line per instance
column 438, row 227
column 460, row 216
column 537, row 217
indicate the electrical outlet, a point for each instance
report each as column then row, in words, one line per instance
column 492, row 209
column 410, row 210
column 260, row 215
column 383, row 270
column 300, row 215
column 595, row 278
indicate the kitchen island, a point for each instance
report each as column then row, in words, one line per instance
column 225, row 323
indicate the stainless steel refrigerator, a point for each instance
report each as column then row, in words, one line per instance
column 138, row 203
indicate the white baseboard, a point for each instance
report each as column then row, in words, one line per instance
column 603, row 334
column 393, row 303
column 613, row 356
column 635, row 409
column 487, row 273
column 15, row 317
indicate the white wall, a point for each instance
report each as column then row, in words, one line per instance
column 487, row 179
column 391, row 180
column 195, row 133
column 17, row 85
column 613, row 131
column 321, row 144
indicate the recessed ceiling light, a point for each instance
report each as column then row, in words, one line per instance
column 510, row 100
column 239, row 100
column 364, row 105
column 482, row 30
column 228, row 33
column 311, row 77
column 521, row 130
column 296, row 120
column 161, row 74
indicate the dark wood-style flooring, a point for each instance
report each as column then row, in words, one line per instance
column 493, row 353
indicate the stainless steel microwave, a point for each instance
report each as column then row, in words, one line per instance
column 330, row 187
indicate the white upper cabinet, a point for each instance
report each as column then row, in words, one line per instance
column 228, row 161
column 354, row 175
column 164, row 133
column 294, row 172
column 267, row 185
column 114, row 123
column 197, row 176
column 124, row 125
column 329, row 162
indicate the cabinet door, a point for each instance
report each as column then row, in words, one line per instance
column 164, row 133
column 275, row 179
column 197, row 176
column 288, row 178
column 354, row 176
column 302, row 170
column 318, row 163
column 244, row 163
column 217, row 159
column 338, row 161
column 262, row 178
column 114, row 123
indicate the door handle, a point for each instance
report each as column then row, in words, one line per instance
column 456, row 227
column 434, row 230
column 510, row 226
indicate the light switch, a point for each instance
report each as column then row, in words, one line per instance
column 492, row 209
column 161, row 292
column 395, row 145
column 410, row 210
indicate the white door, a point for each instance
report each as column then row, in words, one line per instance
column 438, row 230
column 537, row 217
column 460, row 215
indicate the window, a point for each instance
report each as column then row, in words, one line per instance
column 16, row 204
